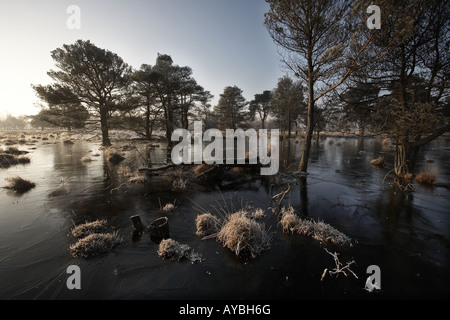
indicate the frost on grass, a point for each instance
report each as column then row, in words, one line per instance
column 169, row 207
column 113, row 156
column 378, row 161
column 207, row 224
column 426, row 177
column 243, row 235
column 320, row 231
column 289, row 220
column 86, row 159
column 19, row 185
column 256, row 213
column 85, row 229
column 170, row 249
column 95, row 244
column 179, row 184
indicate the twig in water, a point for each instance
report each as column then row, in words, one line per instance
column 340, row 268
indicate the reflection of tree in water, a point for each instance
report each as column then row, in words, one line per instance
column 304, row 195
column 397, row 214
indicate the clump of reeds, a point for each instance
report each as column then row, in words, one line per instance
column 426, row 177
column 179, row 184
column 243, row 235
column 378, row 162
column 325, row 233
column 257, row 213
column 14, row 151
column 19, row 185
column 289, row 220
column 201, row 168
column 168, row 207
column 207, row 224
column 95, row 244
column 319, row 230
column 10, row 157
column 114, row 157
column 170, row 249
column 7, row 160
column 10, row 142
column 85, row 229
column 139, row 178
column 85, row 159
column 386, row 142
column 124, row 171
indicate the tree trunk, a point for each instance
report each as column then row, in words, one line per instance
column 147, row 122
column 402, row 166
column 168, row 115
column 104, row 126
column 303, row 167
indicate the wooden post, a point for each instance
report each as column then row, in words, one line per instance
column 137, row 223
column 159, row 229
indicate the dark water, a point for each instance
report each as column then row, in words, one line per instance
column 405, row 233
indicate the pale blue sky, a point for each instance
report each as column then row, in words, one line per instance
column 223, row 41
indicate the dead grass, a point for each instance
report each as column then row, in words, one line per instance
column 243, row 235
column 179, row 184
column 168, row 207
column 113, row 156
column 207, row 224
column 426, row 177
column 85, row 229
column 10, row 157
column 289, row 220
column 257, row 213
column 19, row 185
column 139, row 178
column 202, row 168
column 14, row 151
column 124, row 171
column 86, row 159
column 378, row 162
column 170, row 249
column 95, row 244
column 320, row 231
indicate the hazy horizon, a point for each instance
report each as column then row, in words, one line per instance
column 224, row 42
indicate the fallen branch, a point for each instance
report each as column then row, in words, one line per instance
column 159, row 168
column 282, row 194
column 340, row 268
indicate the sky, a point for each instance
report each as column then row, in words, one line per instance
column 223, row 41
